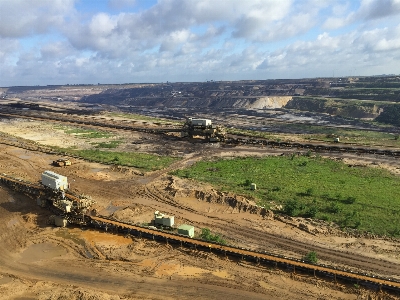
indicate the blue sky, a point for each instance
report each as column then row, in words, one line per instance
column 122, row 41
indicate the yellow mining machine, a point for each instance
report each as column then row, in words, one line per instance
column 62, row 162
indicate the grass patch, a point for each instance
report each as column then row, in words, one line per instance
column 84, row 133
column 357, row 137
column 142, row 161
column 208, row 236
column 108, row 145
column 324, row 134
column 364, row 198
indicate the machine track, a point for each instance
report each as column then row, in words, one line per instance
column 361, row 262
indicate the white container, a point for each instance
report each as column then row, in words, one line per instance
column 187, row 230
column 201, row 122
column 168, row 221
column 54, row 181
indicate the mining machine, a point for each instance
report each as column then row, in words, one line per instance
column 62, row 162
column 204, row 128
column 53, row 193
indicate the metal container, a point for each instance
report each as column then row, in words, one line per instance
column 201, row 122
column 187, row 230
column 168, row 221
column 164, row 220
column 54, row 180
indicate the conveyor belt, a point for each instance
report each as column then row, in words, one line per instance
column 258, row 257
column 231, row 139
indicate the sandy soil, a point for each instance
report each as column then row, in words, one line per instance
column 39, row 261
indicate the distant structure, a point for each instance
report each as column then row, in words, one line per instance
column 204, row 128
column 54, row 181
column 161, row 219
column 187, row 230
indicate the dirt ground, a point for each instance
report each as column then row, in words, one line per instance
column 39, row 261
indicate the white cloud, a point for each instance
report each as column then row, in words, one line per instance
column 335, row 23
column 7, row 48
column 159, row 24
column 56, row 50
column 174, row 39
column 195, row 40
column 375, row 9
column 25, row 17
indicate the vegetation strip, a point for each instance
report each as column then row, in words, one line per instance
column 142, row 161
column 367, row 199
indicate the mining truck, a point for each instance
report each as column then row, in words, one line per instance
column 204, row 128
column 62, row 162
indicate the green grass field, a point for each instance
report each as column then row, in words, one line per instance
column 364, row 198
column 84, row 133
column 142, row 161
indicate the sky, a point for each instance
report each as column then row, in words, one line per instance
column 47, row 42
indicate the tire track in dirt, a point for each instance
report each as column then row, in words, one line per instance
column 338, row 257
column 262, row 239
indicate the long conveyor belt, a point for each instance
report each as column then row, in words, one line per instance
column 249, row 255
column 231, row 139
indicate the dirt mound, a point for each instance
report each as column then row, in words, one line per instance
column 125, row 170
column 134, row 214
column 270, row 102
column 78, row 295
column 184, row 188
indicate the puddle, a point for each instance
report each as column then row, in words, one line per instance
column 5, row 280
column 37, row 252
column 65, row 233
column 144, row 180
column 95, row 170
column 291, row 117
column 88, row 254
column 11, row 199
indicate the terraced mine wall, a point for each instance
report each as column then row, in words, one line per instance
column 343, row 108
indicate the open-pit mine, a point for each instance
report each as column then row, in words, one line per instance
column 80, row 227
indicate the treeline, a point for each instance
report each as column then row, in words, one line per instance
column 390, row 115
